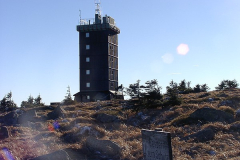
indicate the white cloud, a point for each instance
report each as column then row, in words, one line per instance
column 167, row 58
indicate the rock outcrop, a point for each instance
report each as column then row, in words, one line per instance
column 105, row 147
column 201, row 136
column 56, row 113
column 211, row 115
column 106, row 118
column 3, row 133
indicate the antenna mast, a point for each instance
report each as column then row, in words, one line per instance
column 97, row 7
column 80, row 16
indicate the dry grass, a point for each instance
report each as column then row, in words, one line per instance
column 29, row 142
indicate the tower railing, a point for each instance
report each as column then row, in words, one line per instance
column 91, row 21
column 88, row 21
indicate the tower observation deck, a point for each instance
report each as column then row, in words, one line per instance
column 98, row 24
column 98, row 59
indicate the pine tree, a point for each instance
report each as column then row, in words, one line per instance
column 68, row 98
column 7, row 104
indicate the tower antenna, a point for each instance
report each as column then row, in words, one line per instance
column 80, row 16
column 97, row 7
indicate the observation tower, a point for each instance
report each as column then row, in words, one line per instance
column 98, row 58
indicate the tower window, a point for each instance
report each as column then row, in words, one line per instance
column 113, row 50
column 87, row 59
column 87, row 46
column 113, row 75
column 88, row 97
column 87, row 35
column 88, row 84
column 87, row 71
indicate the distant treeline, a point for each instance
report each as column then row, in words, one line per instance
column 148, row 95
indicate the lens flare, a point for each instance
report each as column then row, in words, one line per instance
column 56, row 125
column 53, row 127
column 5, row 154
column 50, row 127
column 167, row 58
column 183, row 49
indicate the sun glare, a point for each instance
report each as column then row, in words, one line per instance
column 167, row 58
column 182, row 49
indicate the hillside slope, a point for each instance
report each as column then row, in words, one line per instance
column 205, row 126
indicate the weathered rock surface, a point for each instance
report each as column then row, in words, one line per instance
column 225, row 103
column 211, row 115
column 27, row 116
column 105, row 147
column 81, row 132
column 56, row 113
column 3, row 133
column 10, row 119
column 106, row 118
column 22, row 117
column 235, row 126
column 202, row 135
column 70, row 137
column 88, row 131
column 237, row 115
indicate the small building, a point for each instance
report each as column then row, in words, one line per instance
column 98, row 58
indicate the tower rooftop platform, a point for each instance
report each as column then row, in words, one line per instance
column 105, row 23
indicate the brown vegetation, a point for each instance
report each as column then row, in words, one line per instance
column 123, row 127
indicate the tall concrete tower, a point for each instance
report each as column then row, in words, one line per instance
column 98, row 58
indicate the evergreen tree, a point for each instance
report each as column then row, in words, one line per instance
column 68, row 98
column 227, row 84
column 172, row 89
column 182, row 86
column 197, row 88
column 172, row 93
column 232, row 84
column 134, row 90
column 7, row 104
column 32, row 102
column 152, row 90
column 204, row 88
column 37, row 101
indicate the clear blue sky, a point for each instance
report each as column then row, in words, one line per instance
column 39, row 43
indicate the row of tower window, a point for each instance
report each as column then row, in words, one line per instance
column 112, row 50
column 111, row 39
column 112, row 62
column 112, row 74
column 112, row 85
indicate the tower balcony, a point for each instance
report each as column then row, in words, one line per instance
column 97, row 24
